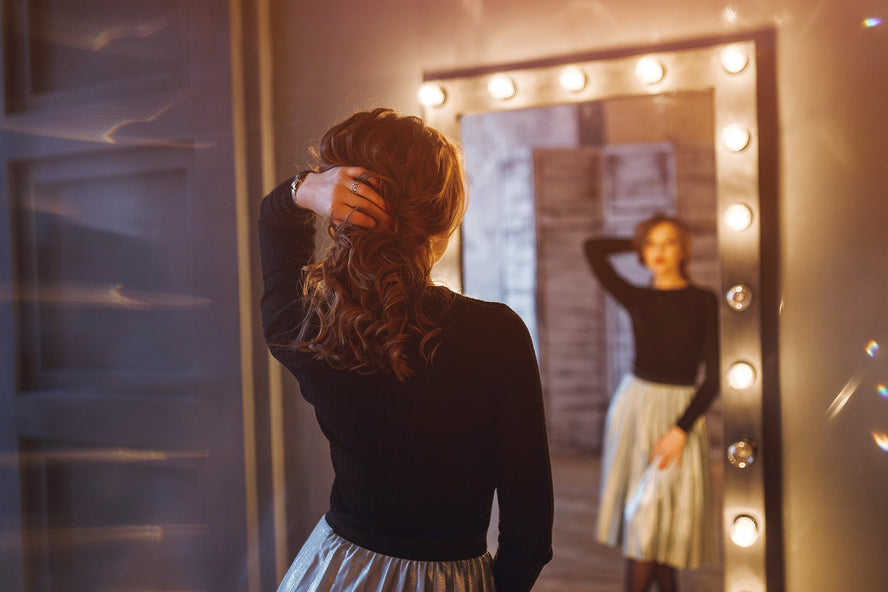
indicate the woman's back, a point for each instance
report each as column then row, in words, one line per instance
column 419, row 460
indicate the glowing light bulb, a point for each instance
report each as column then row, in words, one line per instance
column 649, row 70
column 744, row 530
column 741, row 375
column 736, row 137
column 734, row 59
column 738, row 217
column 431, row 95
column 572, row 78
column 501, row 87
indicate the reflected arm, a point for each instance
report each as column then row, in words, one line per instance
column 597, row 252
column 708, row 389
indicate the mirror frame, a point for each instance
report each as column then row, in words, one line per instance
column 691, row 66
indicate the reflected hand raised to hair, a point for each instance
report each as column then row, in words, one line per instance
column 338, row 195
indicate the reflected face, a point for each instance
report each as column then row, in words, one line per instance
column 662, row 252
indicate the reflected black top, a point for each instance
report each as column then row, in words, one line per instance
column 675, row 330
column 416, row 463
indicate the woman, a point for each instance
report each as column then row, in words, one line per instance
column 430, row 400
column 655, row 489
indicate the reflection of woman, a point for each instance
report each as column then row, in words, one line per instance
column 430, row 400
column 655, row 490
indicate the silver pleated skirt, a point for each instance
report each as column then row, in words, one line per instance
column 662, row 515
column 328, row 562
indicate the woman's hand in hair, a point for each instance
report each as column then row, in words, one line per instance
column 337, row 194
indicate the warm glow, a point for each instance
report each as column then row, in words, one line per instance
column 734, row 59
column 736, row 137
column 738, row 217
column 572, row 78
column 881, row 440
column 501, row 87
column 431, row 95
column 744, row 530
column 649, row 70
column 741, row 375
column 729, row 15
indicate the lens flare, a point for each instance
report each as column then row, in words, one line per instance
column 882, row 390
column 881, row 440
column 872, row 348
column 873, row 21
column 839, row 402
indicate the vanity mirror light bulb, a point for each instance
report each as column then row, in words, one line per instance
column 649, row 70
column 431, row 95
column 744, row 530
column 741, row 375
column 736, row 137
column 501, row 87
column 734, row 59
column 572, row 78
column 738, row 217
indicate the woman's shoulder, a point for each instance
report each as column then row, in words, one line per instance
column 704, row 296
column 482, row 313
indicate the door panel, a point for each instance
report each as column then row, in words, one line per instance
column 121, row 421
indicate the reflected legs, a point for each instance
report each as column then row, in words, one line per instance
column 640, row 574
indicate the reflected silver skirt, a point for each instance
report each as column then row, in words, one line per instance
column 328, row 562
column 655, row 515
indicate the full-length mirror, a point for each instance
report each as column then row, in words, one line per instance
column 563, row 151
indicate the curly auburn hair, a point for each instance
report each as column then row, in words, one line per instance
column 643, row 229
column 364, row 297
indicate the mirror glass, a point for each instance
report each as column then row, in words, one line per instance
column 542, row 180
column 550, row 167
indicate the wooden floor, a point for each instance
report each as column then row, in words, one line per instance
column 582, row 565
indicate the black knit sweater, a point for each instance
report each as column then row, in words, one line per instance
column 416, row 463
column 675, row 330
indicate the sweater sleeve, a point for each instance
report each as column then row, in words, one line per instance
column 286, row 244
column 524, row 476
column 708, row 389
column 597, row 252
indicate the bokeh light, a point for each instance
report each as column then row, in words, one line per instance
column 501, row 87
column 572, row 78
column 432, row 95
column 649, row 70
column 873, row 21
column 738, row 217
column 735, row 137
column 882, row 390
column 872, row 348
column 881, row 439
column 744, row 530
column 741, row 375
column 734, row 59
